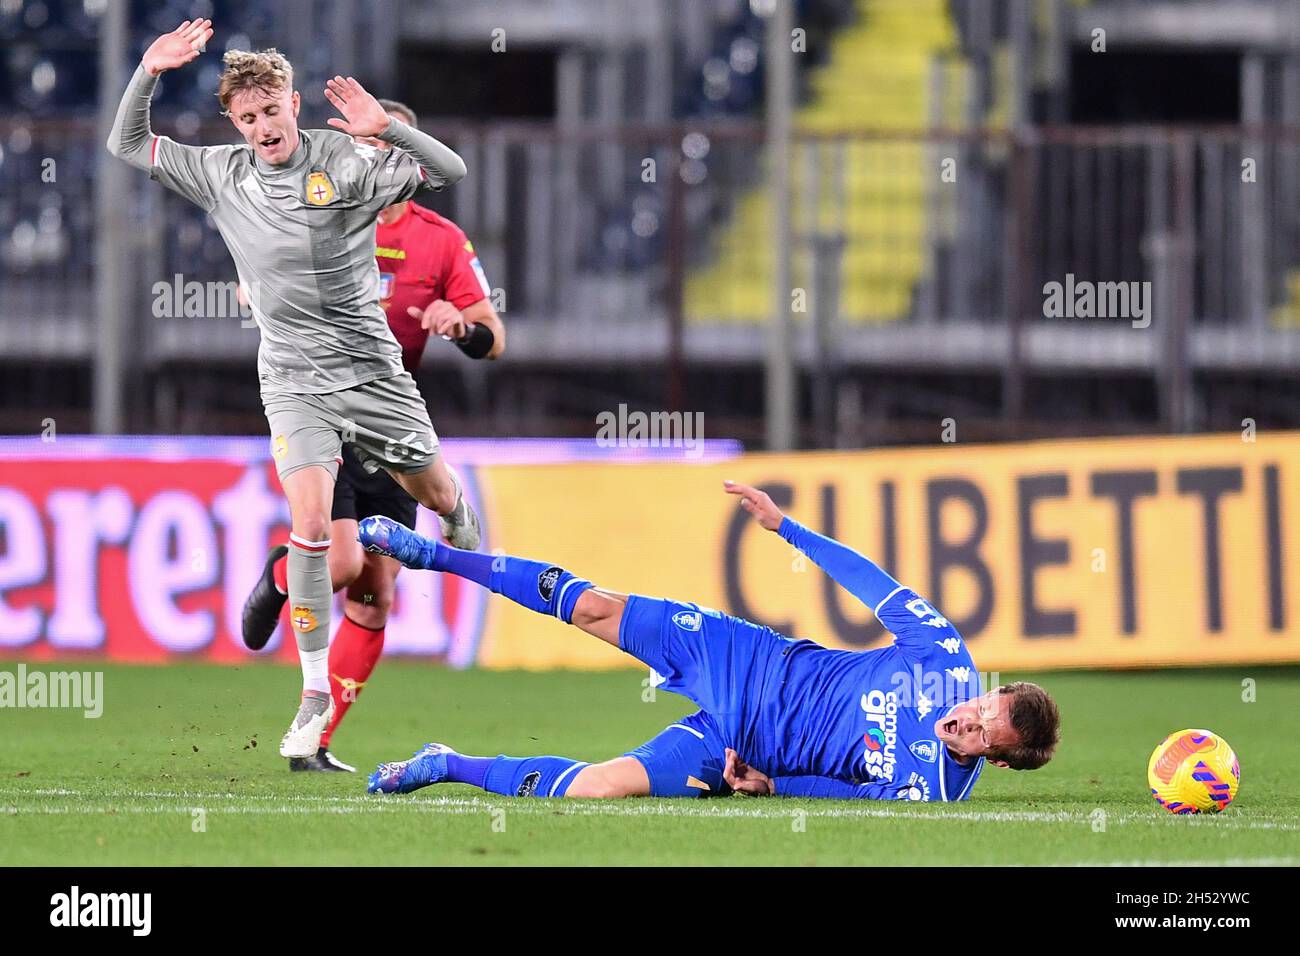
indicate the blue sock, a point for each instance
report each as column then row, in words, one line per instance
column 471, row 770
column 471, row 565
column 531, row 776
column 540, row 587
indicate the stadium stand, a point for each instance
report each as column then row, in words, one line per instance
column 599, row 262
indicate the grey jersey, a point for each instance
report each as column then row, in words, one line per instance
column 302, row 236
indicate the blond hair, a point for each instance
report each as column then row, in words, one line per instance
column 265, row 69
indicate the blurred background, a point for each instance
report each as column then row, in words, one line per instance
column 940, row 161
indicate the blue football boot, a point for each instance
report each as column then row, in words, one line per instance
column 385, row 536
column 427, row 766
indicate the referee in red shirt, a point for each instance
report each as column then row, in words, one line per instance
column 431, row 282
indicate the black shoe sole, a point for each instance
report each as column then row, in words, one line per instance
column 316, row 764
column 265, row 602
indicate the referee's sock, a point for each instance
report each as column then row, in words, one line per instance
column 354, row 652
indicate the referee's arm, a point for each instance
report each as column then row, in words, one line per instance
column 481, row 313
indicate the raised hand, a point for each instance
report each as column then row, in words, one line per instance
column 362, row 114
column 756, row 503
column 178, row 47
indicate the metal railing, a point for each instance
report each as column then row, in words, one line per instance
column 643, row 244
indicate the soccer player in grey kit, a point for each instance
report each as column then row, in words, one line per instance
column 297, row 210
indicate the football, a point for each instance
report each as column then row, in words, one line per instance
column 1193, row 771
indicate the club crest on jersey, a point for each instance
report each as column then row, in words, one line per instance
column 688, row 620
column 547, row 580
column 303, row 618
column 386, row 280
column 529, row 785
column 320, row 191
column 927, row 750
column 279, row 447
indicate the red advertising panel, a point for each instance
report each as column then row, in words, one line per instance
column 143, row 549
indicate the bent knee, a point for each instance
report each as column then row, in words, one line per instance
column 312, row 528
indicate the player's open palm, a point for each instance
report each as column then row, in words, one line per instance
column 362, row 114
column 757, row 503
column 742, row 778
column 175, row 49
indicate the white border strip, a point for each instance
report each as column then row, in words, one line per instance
column 560, row 779
column 689, row 730
column 885, row 600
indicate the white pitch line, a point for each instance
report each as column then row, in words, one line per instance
column 1231, row 861
column 216, row 811
column 187, row 802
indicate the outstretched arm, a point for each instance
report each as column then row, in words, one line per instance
column 858, row 575
column 825, row 787
column 742, row 778
column 363, row 116
column 131, row 139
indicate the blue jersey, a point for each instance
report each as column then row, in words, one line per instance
column 838, row 723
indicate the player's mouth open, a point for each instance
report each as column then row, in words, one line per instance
column 950, row 727
column 271, row 143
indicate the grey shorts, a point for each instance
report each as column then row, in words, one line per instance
column 385, row 419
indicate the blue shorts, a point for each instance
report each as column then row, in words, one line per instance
column 685, row 759
column 720, row 662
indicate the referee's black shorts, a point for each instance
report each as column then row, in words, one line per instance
column 359, row 494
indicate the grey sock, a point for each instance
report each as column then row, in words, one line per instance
column 310, row 592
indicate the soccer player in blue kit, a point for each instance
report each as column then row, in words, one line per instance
column 777, row 716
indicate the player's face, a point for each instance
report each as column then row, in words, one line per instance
column 268, row 121
column 978, row 726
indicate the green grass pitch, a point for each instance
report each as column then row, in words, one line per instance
column 169, row 774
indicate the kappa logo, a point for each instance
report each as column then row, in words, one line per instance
column 320, row 191
column 688, row 620
column 950, row 644
column 923, row 609
column 529, row 786
column 547, row 580
column 923, row 705
column 927, row 750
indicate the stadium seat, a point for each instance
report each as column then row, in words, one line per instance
column 878, row 78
